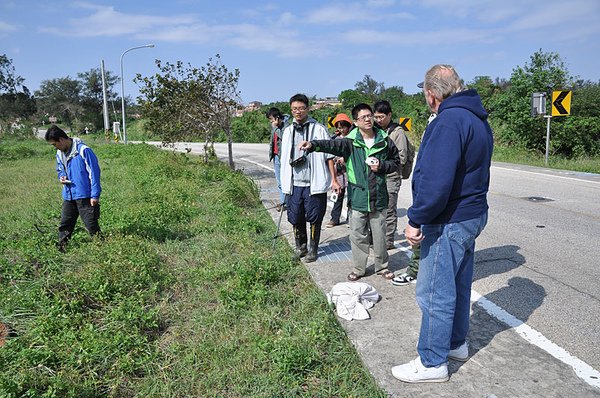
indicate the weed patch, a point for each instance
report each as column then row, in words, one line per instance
column 183, row 297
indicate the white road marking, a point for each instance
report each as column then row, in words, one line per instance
column 258, row 164
column 582, row 369
column 546, row 175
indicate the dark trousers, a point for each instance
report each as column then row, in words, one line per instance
column 336, row 212
column 71, row 209
column 304, row 207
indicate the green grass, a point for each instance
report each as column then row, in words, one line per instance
column 137, row 132
column 183, row 297
column 521, row 156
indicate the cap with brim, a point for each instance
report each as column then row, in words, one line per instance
column 420, row 85
column 342, row 117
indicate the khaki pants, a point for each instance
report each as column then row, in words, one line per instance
column 359, row 240
column 393, row 186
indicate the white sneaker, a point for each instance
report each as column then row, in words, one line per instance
column 460, row 354
column 403, row 279
column 415, row 372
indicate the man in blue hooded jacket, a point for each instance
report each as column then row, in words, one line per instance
column 79, row 174
column 450, row 184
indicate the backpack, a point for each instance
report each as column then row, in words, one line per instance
column 410, row 157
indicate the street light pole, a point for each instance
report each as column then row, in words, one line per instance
column 123, row 88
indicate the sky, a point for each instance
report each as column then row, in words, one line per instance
column 313, row 47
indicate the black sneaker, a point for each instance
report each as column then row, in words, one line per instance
column 403, row 279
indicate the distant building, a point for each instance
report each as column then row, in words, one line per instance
column 252, row 106
column 327, row 101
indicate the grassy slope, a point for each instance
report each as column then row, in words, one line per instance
column 183, row 297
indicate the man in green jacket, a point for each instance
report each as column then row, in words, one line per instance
column 369, row 155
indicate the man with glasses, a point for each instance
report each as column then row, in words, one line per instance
column 305, row 178
column 450, row 185
column 383, row 117
column 369, row 155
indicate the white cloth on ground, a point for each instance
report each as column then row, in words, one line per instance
column 353, row 299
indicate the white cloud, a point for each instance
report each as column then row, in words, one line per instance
column 338, row 13
column 354, row 12
column 286, row 19
column 6, row 28
column 105, row 21
column 407, row 39
column 496, row 22
column 381, row 3
column 275, row 36
column 562, row 16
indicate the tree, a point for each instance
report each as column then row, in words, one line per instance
column 581, row 130
column 369, row 87
column 394, row 95
column 185, row 102
column 251, row 127
column 9, row 80
column 222, row 97
column 586, row 99
column 91, row 96
column 544, row 72
column 349, row 98
column 16, row 101
column 486, row 88
column 60, row 97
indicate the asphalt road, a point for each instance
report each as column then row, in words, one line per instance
column 537, row 265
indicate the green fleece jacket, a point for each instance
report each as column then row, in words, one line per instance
column 367, row 191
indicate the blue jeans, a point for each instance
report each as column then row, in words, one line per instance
column 277, row 167
column 444, row 286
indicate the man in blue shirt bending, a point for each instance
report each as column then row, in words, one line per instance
column 79, row 174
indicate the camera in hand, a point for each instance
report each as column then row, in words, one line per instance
column 299, row 161
column 371, row 161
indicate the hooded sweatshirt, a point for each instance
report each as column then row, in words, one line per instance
column 80, row 166
column 452, row 173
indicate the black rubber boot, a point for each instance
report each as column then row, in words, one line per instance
column 315, row 236
column 301, row 240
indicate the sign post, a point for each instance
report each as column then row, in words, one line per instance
column 560, row 106
column 548, row 118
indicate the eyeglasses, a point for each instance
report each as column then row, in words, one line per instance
column 300, row 109
column 364, row 118
column 379, row 117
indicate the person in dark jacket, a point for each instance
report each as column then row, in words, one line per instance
column 342, row 124
column 449, row 185
column 79, row 174
column 383, row 117
column 369, row 155
column 277, row 123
